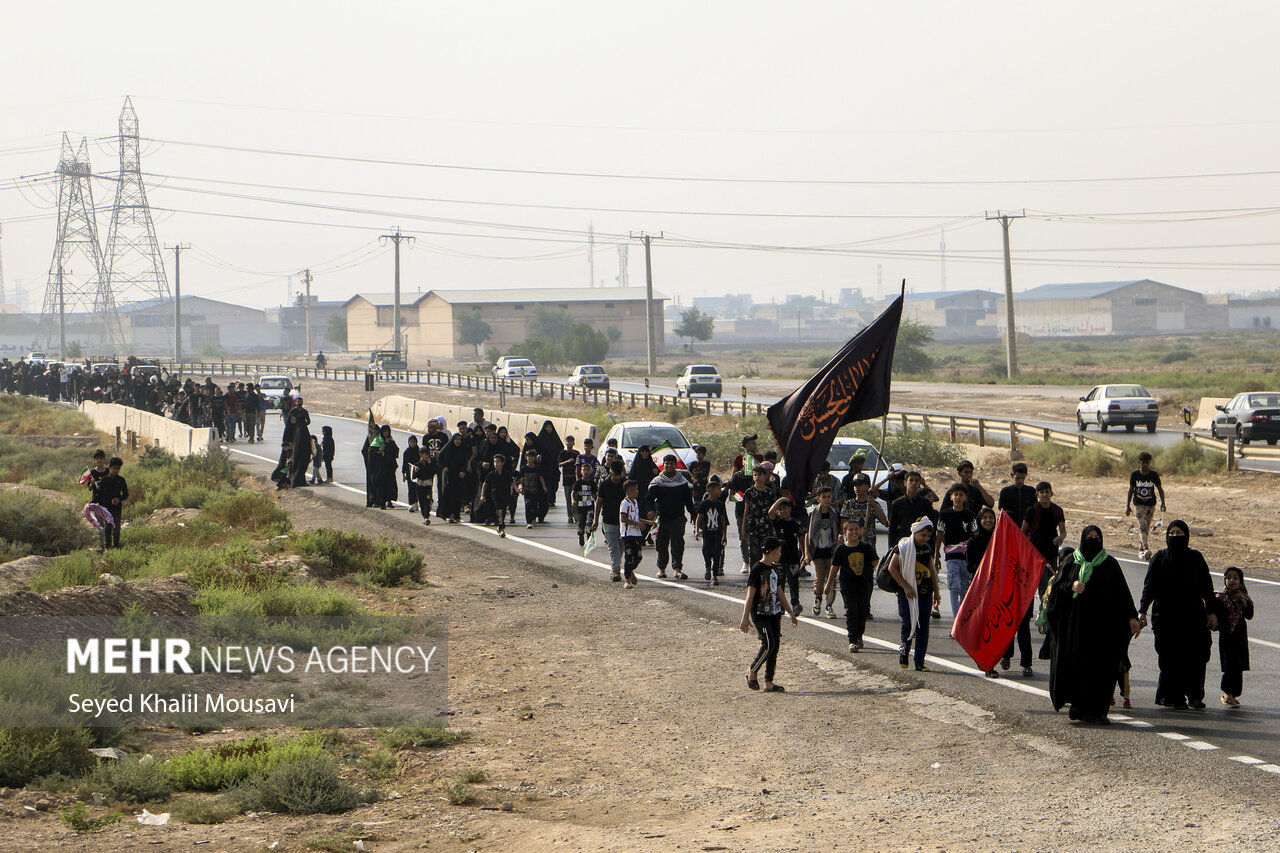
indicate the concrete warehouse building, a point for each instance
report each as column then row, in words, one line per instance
column 1140, row 307
column 148, row 327
column 429, row 321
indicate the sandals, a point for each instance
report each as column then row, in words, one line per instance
column 752, row 683
column 774, row 688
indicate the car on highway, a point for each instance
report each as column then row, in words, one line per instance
column 590, row 376
column 844, row 449
column 631, row 436
column 1118, row 405
column 699, row 379
column 274, row 388
column 1254, row 416
column 387, row 359
column 513, row 367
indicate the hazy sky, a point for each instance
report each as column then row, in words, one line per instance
column 887, row 119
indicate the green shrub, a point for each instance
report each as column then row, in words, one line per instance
column 299, row 616
column 425, row 736
column 1092, row 461
column 378, row 764
column 131, row 780
column 77, row 818
column 1187, row 458
column 26, row 753
column 393, row 562
column 228, row 764
column 385, row 562
column 30, row 416
column 248, row 511
column 911, row 447
column 458, row 794
column 77, row 569
column 13, row 550
column 200, row 810
column 43, row 526
column 192, row 497
column 309, row 785
column 473, row 777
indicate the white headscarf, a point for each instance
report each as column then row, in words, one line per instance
column 907, row 568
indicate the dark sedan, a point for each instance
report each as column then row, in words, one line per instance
column 1249, row 417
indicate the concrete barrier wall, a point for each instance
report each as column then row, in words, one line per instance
column 410, row 414
column 155, row 430
column 1207, row 410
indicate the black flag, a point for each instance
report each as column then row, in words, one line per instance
column 853, row 386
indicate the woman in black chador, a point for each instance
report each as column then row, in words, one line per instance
column 1180, row 595
column 1091, row 619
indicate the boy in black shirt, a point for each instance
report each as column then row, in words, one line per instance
column 582, row 500
column 112, row 492
column 957, row 525
column 1144, row 484
column 1017, row 498
column 764, row 606
column 790, row 534
column 699, row 471
column 499, row 486
column 711, row 527
column 905, row 511
column 609, row 496
column 855, row 563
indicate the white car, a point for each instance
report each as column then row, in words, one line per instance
column 632, row 435
column 510, row 367
column 274, row 388
column 590, row 376
column 699, row 379
column 1118, row 405
column 37, row 357
column 844, row 449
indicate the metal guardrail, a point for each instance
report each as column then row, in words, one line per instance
column 1011, row 431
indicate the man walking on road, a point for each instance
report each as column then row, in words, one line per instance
column 670, row 496
column 1144, row 485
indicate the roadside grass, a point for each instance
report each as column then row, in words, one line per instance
column 32, row 416
column 1186, row 458
column 31, row 524
column 382, row 561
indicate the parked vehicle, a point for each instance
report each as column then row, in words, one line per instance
column 1118, row 405
column 1249, row 417
column 631, row 436
column 37, row 357
column 844, row 449
column 387, row 359
column 699, row 379
column 274, row 389
column 513, row 367
column 590, row 376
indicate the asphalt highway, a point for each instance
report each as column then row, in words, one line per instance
column 1245, row 737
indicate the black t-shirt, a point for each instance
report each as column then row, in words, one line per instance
column 1144, row 487
column 924, row 579
column 904, row 512
column 715, row 518
column 611, row 495
column 858, row 560
column 700, row 471
column 788, row 532
column 764, row 578
column 1042, row 525
column 975, row 501
column 1017, row 501
column 956, row 525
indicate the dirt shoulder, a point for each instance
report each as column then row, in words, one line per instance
column 619, row 721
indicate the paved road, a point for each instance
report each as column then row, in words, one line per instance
column 1251, row 732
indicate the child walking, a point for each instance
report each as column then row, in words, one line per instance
column 534, row 490
column 820, row 545
column 764, row 606
column 854, row 563
column 1233, row 635
column 632, row 527
column 499, row 486
column 582, row 499
column 711, row 525
column 790, row 535
column 112, row 492
column 327, row 448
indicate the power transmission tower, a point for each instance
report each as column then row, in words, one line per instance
column 1011, row 347
column 77, row 249
column 648, row 298
column 306, row 279
column 177, row 300
column 135, row 269
column 623, row 279
column 396, row 238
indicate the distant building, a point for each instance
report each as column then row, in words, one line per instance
column 727, row 307
column 293, row 324
column 429, row 321
column 952, row 314
column 148, row 327
column 1255, row 313
column 1139, row 307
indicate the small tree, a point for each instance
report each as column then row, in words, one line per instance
column 909, row 355
column 695, row 326
column 472, row 330
column 584, row 345
column 543, row 352
column 336, row 331
column 552, row 324
column 613, row 333
column 73, row 348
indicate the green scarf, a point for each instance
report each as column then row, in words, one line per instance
column 1087, row 567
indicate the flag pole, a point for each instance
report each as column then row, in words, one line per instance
column 884, row 437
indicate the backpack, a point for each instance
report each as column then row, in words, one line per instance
column 884, row 579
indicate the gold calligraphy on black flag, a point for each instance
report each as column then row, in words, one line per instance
column 852, row 386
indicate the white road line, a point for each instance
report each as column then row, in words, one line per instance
column 1141, row 565
column 1247, row 759
column 964, row 669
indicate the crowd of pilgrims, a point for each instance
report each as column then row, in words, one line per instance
column 1084, row 608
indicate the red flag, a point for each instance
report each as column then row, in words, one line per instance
column 1000, row 594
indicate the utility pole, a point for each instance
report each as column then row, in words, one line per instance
column 648, row 297
column 2, row 299
column 396, row 238
column 62, row 318
column 177, row 302
column 591, row 256
column 1011, row 332
column 306, row 279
